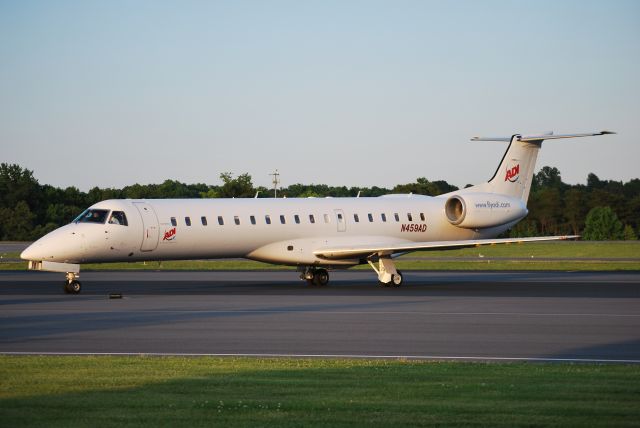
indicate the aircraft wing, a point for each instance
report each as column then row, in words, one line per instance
column 387, row 249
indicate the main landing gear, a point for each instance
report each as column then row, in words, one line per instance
column 315, row 276
column 388, row 275
column 72, row 285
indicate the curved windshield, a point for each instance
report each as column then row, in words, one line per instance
column 92, row 216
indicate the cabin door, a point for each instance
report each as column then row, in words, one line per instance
column 150, row 227
column 341, row 220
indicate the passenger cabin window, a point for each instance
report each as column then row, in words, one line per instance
column 174, row 222
column 326, row 218
column 370, row 217
column 356, row 218
column 282, row 219
column 383, row 216
column 220, row 220
column 422, row 216
column 203, row 219
column 409, row 217
column 253, row 219
column 187, row 221
column 236, row 220
column 312, row 219
column 396, row 216
column 118, row 217
column 296, row 218
column 267, row 219
column 92, row 216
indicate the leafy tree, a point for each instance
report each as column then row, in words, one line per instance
column 240, row 187
column 602, row 224
column 422, row 186
column 60, row 214
column 593, row 182
column 547, row 177
column 524, row 228
column 18, row 184
column 16, row 223
column 174, row 190
column 444, row 187
column 547, row 203
column 575, row 209
column 628, row 234
column 96, row 195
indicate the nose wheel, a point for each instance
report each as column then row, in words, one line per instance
column 72, row 285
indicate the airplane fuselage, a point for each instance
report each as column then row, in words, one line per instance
column 284, row 231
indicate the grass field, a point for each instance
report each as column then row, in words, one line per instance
column 581, row 255
column 176, row 391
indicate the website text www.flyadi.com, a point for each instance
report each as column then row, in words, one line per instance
column 492, row 205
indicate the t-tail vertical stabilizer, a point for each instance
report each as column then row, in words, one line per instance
column 515, row 172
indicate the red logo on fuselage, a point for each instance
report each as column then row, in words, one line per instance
column 169, row 235
column 513, row 174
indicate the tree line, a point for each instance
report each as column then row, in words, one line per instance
column 601, row 209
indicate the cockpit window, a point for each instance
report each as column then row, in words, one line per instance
column 92, row 216
column 118, row 217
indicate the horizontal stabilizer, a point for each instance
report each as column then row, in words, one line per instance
column 382, row 249
column 541, row 137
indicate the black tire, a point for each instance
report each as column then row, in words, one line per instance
column 75, row 287
column 396, row 279
column 321, row 277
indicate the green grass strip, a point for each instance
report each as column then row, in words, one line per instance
column 176, row 391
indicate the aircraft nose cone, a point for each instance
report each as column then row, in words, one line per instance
column 61, row 245
column 30, row 253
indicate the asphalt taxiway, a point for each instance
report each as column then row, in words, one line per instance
column 556, row 316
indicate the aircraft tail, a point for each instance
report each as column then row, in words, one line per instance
column 515, row 171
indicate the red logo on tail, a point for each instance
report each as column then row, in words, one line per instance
column 513, row 174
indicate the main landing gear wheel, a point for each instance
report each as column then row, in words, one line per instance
column 321, row 277
column 72, row 287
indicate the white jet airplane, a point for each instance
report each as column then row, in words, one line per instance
column 314, row 234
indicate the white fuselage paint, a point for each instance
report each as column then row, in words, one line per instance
column 290, row 243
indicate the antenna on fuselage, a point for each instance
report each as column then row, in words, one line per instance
column 275, row 182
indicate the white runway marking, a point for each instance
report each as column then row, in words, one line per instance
column 354, row 356
column 330, row 312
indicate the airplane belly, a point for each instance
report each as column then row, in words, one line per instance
column 295, row 252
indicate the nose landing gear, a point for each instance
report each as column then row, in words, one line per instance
column 72, row 285
column 388, row 275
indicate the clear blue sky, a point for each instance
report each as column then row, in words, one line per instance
column 360, row 93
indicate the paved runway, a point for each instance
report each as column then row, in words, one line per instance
column 461, row 315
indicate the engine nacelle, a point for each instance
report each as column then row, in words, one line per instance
column 481, row 210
